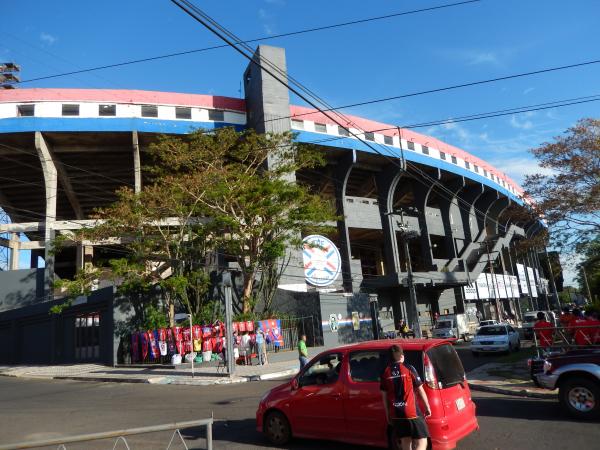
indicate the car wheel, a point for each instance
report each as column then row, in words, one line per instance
column 580, row 397
column 277, row 428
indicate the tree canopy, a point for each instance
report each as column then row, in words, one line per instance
column 569, row 196
column 207, row 192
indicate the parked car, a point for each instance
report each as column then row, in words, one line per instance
column 576, row 374
column 483, row 323
column 337, row 396
column 495, row 338
column 455, row 326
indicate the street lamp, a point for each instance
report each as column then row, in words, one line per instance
column 406, row 234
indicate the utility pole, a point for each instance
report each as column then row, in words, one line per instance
column 405, row 235
column 554, row 291
column 494, row 282
column 228, row 323
column 587, row 286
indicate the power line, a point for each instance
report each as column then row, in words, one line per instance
column 445, row 88
column 260, row 39
column 232, row 41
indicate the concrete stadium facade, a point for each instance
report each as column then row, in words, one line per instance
column 64, row 152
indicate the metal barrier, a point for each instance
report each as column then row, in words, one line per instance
column 120, row 435
column 566, row 338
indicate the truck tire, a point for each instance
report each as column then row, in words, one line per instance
column 580, row 397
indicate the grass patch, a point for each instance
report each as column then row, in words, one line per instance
column 514, row 357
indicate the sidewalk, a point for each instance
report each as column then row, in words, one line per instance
column 507, row 378
column 280, row 365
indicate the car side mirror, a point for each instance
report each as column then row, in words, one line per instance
column 295, row 384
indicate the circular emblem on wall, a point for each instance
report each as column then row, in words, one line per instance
column 322, row 260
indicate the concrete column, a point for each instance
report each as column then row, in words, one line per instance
column 14, row 251
column 445, row 204
column 387, row 181
column 50, row 182
column 466, row 202
column 341, row 175
column 137, row 170
column 85, row 254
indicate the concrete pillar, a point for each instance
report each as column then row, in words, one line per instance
column 341, row 175
column 85, row 254
column 268, row 110
column 387, row 181
column 137, row 170
column 446, row 203
column 50, row 183
column 14, row 251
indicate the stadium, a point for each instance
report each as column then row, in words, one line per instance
column 415, row 212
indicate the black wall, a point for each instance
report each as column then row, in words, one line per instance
column 32, row 335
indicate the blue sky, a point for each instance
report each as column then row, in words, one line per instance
column 477, row 41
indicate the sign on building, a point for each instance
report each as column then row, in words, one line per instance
column 532, row 282
column 322, row 260
column 522, row 279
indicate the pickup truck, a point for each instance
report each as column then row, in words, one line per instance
column 576, row 374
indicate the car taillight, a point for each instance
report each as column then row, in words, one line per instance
column 430, row 377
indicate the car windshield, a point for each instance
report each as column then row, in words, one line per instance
column 486, row 322
column 447, row 365
column 530, row 318
column 491, row 331
column 443, row 324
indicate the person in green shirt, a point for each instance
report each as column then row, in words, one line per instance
column 302, row 351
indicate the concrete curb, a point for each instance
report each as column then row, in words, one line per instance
column 198, row 381
column 270, row 376
column 517, row 393
column 99, row 379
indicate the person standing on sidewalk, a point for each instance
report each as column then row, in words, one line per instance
column 302, row 351
column 262, row 347
column 398, row 384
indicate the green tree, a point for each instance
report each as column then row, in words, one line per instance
column 222, row 190
column 568, row 198
column 244, row 183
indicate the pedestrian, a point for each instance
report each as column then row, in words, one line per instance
column 262, row 347
column 543, row 331
column 302, row 351
column 398, row 384
column 246, row 349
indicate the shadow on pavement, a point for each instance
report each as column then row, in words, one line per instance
column 243, row 432
column 521, row 408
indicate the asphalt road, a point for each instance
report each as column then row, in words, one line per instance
column 40, row 409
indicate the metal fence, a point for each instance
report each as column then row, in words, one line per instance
column 120, row 436
column 565, row 338
column 294, row 327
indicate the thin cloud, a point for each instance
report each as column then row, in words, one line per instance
column 48, row 38
column 520, row 125
column 528, row 90
column 267, row 21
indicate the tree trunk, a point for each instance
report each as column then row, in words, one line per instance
column 247, row 292
column 171, row 314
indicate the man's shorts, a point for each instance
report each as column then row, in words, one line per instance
column 415, row 428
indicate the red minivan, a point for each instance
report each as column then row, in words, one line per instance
column 336, row 396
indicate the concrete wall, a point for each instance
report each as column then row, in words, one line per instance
column 343, row 306
column 31, row 335
column 20, row 288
